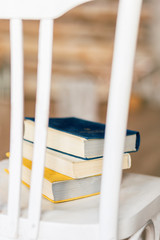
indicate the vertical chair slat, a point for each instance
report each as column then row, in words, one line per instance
column 121, row 79
column 42, row 113
column 16, row 135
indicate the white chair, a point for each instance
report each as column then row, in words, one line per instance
column 81, row 219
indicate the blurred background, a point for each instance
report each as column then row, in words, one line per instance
column 82, row 57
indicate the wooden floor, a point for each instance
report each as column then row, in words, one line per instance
column 146, row 120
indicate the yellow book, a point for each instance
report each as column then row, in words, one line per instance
column 60, row 188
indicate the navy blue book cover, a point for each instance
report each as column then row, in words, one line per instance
column 84, row 128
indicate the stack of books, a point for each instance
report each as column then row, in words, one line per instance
column 74, row 156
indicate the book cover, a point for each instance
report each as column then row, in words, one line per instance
column 78, row 137
column 83, row 128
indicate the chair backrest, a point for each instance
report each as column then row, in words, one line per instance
column 16, row 11
column 117, row 114
column 126, row 35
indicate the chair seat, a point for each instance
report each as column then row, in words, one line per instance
column 139, row 202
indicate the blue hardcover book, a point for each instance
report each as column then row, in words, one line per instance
column 78, row 137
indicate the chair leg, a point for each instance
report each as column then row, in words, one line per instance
column 148, row 229
column 156, row 222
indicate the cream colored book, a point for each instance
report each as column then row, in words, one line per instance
column 71, row 166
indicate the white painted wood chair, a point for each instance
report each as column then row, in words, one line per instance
column 86, row 218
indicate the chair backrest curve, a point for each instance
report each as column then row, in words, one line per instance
column 29, row 9
column 46, row 11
